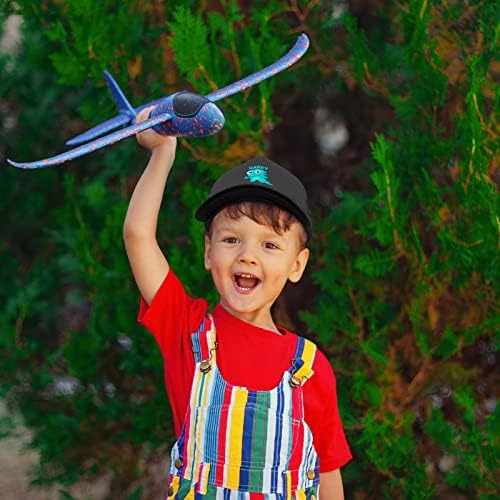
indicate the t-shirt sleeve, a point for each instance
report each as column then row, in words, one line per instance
column 322, row 415
column 172, row 315
column 171, row 318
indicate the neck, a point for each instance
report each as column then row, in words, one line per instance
column 260, row 319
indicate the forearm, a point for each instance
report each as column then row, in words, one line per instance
column 330, row 486
column 142, row 214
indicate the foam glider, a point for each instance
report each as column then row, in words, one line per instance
column 182, row 114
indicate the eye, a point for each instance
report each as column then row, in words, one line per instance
column 230, row 239
column 270, row 246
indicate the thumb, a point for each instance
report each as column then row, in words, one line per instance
column 144, row 114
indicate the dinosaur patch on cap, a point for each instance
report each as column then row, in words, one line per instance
column 257, row 173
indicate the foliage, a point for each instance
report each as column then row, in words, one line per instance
column 405, row 267
column 409, row 271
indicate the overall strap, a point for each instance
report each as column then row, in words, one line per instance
column 204, row 344
column 302, row 362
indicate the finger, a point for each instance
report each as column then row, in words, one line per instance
column 144, row 114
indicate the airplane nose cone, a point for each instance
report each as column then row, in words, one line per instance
column 209, row 120
column 217, row 118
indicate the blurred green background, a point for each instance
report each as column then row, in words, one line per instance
column 389, row 120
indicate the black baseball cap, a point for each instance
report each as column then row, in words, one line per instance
column 258, row 179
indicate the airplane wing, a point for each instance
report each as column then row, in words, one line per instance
column 102, row 128
column 291, row 57
column 118, row 121
column 94, row 145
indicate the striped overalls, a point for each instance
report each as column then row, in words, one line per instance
column 242, row 444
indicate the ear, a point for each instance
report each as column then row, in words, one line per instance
column 299, row 265
column 208, row 262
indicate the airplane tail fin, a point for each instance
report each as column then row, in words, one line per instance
column 126, row 115
column 122, row 103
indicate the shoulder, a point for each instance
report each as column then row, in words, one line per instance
column 323, row 378
column 320, row 390
column 321, row 364
column 172, row 308
column 321, row 367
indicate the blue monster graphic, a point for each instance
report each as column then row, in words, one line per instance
column 257, row 173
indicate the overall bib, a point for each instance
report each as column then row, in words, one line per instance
column 242, row 444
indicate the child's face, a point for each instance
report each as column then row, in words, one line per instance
column 250, row 264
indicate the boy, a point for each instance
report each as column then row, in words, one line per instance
column 254, row 406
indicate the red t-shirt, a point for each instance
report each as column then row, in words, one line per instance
column 247, row 356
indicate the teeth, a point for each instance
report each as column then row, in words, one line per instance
column 238, row 277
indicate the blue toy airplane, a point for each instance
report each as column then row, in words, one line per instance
column 183, row 114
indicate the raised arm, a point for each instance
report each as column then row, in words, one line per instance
column 330, row 486
column 149, row 265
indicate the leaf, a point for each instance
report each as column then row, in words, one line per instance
column 448, row 345
column 441, row 431
column 375, row 348
column 65, row 495
column 375, row 264
column 189, row 41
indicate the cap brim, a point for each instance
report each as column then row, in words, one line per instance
column 215, row 204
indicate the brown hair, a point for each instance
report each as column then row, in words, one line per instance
column 266, row 214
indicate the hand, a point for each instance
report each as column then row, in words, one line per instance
column 149, row 139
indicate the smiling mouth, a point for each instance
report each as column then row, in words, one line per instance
column 245, row 283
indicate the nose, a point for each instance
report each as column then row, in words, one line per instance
column 247, row 255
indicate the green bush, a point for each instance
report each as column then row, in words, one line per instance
column 401, row 293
